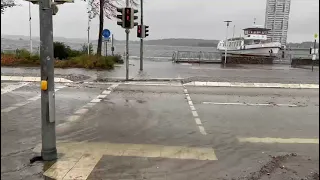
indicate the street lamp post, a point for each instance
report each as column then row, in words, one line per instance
column 30, row 28
column 226, row 43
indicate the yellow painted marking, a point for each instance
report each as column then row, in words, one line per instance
column 79, row 158
column 279, row 140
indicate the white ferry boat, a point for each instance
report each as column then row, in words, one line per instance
column 254, row 42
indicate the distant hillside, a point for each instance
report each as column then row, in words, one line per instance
column 184, row 42
column 306, row 44
column 164, row 42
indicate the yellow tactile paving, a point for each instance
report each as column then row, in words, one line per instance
column 79, row 159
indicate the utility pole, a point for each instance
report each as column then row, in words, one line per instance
column 226, row 44
column 127, row 47
column 88, row 43
column 314, row 55
column 141, row 39
column 48, row 133
column 112, row 47
column 106, row 46
column 30, row 33
column 234, row 26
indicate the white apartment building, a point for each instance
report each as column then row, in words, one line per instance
column 277, row 19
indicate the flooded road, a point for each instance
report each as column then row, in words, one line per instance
column 155, row 70
column 165, row 130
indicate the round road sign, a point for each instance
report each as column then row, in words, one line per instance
column 106, row 33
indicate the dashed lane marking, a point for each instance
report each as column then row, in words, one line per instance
column 12, row 87
column 80, row 158
column 84, row 109
column 278, row 140
column 194, row 112
column 17, row 105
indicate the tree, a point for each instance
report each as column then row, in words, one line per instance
column 7, row 3
column 105, row 8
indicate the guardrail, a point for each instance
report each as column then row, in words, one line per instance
column 196, row 57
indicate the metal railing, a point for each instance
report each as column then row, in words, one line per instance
column 196, row 57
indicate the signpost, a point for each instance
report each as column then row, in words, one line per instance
column 315, row 51
column 106, row 37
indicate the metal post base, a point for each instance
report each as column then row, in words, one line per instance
column 49, row 155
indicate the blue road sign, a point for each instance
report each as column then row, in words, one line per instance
column 106, row 33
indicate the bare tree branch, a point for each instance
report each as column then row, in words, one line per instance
column 6, row 4
column 109, row 10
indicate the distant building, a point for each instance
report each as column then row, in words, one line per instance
column 277, row 19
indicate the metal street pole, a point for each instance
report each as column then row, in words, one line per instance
column 88, row 43
column 106, row 44
column 112, row 48
column 226, row 44
column 48, row 133
column 30, row 27
column 314, row 47
column 141, row 39
column 127, row 48
column 234, row 27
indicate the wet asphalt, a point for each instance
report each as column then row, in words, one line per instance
column 161, row 115
column 188, row 72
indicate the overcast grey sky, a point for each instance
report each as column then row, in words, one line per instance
column 170, row 19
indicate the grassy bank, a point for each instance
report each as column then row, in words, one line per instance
column 71, row 59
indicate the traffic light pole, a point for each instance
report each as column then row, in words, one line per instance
column 127, row 48
column 48, row 133
column 141, row 39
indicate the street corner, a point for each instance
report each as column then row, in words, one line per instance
column 91, row 160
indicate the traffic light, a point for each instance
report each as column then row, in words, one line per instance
column 120, row 17
column 139, row 31
column 146, row 30
column 133, row 17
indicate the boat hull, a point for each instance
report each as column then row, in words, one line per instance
column 268, row 51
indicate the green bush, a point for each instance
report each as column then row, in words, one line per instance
column 60, row 50
column 117, row 59
column 88, row 62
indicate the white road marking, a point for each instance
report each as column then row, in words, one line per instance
column 202, row 131
column 84, row 109
column 73, row 118
column 8, row 109
column 192, row 108
column 278, row 140
column 194, row 112
column 12, row 87
column 101, row 96
column 251, row 104
column 95, row 100
column 31, row 79
column 198, row 121
column 15, row 106
column 252, row 85
column 80, row 158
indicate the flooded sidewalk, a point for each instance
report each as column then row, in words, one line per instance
column 166, row 70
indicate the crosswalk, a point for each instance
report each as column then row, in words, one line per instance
column 73, row 101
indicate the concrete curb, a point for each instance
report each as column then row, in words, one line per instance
column 31, row 79
column 252, row 85
column 139, row 79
